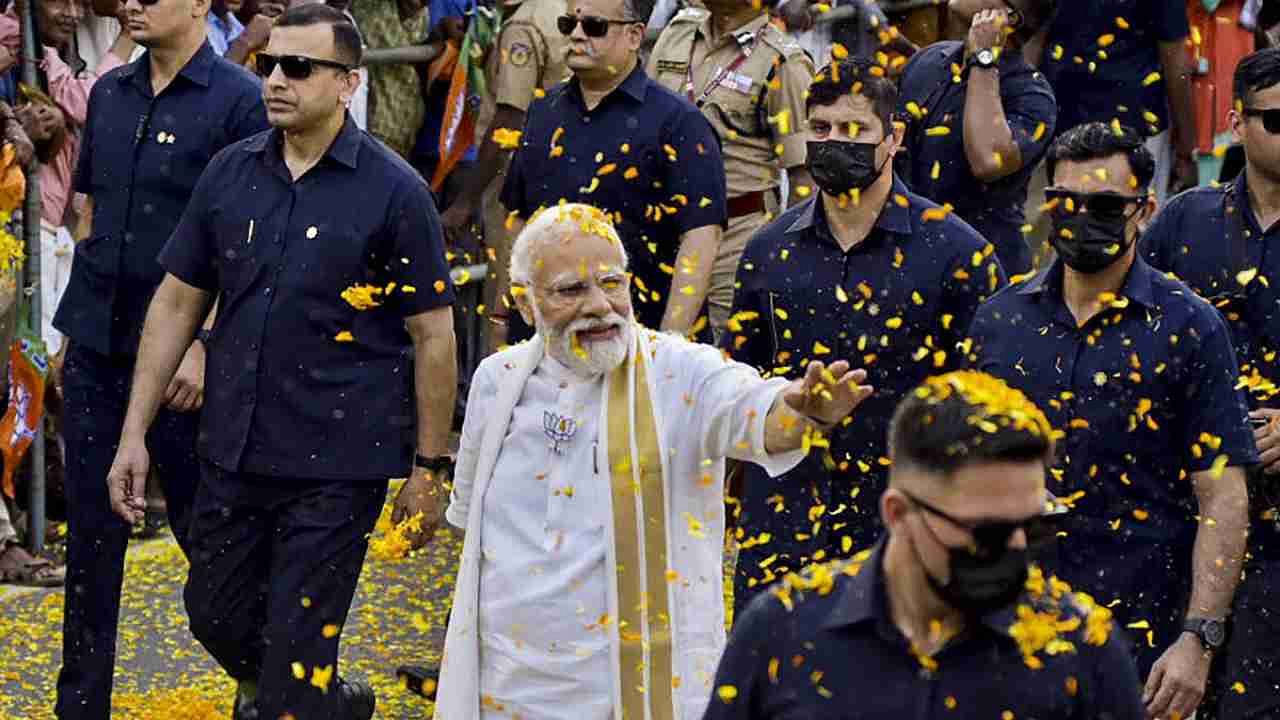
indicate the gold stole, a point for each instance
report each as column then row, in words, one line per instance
column 640, row 542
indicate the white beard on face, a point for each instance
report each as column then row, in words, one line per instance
column 599, row 357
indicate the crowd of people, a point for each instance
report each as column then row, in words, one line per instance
column 950, row 333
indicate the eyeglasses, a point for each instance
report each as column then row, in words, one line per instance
column 1270, row 118
column 614, row 285
column 991, row 537
column 294, row 67
column 593, row 26
column 1101, row 205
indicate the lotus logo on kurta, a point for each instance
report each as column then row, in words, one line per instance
column 559, row 429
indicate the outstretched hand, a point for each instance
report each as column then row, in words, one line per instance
column 827, row 394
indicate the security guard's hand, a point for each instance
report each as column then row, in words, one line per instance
column 258, row 31
column 1268, row 438
column 424, row 492
column 827, row 394
column 127, row 480
column 1176, row 683
column 986, row 31
column 186, row 390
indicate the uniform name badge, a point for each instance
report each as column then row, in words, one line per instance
column 740, row 82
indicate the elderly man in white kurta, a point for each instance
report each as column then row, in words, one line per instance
column 589, row 482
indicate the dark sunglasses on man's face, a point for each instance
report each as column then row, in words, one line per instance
column 592, row 25
column 1102, row 205
column 145, row 3
column 990, row 537
column 294, row 67
column 1270, row 118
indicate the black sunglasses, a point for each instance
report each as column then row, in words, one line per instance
column 294, row 67
column 146, row 3
column 1270, row 118
column 593, row 26
column 991, row 537
column 1103, row 205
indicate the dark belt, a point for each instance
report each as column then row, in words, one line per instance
column 749, row 204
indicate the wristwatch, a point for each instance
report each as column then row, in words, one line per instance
column 984, row 58
column 203, row 335
column 1212, row 633
column 433, row 464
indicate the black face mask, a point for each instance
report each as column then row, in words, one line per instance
column 981, row 582
column 840, row 167
column 1088, row 250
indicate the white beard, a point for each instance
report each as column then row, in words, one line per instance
column 600, row 357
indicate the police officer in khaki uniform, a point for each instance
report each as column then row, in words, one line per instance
column 749, row 79
column 529, row 56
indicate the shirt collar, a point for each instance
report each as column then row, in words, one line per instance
column 745, row 34
column 345, row 148
column 1137, row 284
column 635, row 86
column 893, row 217
column 197, row 70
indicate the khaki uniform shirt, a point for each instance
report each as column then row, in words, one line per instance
column 750, row 84
column 530, row 54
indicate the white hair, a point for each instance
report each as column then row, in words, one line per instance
column 553, row 223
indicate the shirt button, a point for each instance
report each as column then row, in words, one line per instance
column 267, row 291
column 253, row 346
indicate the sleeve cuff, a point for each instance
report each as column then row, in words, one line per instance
column 779, row 463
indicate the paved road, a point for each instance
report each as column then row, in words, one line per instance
column 162, row 673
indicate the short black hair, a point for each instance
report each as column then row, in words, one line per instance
column 1257, row 71
column 856, row 76
column 963, row 417
column 1095, row 140
column 347, row 44
column 1036, row 16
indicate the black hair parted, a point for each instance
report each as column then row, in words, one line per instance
column 347, row 44
column 856, row 76
column 1257, row 71
column 1096, row 140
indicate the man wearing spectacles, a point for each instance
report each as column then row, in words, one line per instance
column 616, row 139
column 979, row 119
column 331, row 369
column 749, row 80
column 151, row 128
column 1222, row 242
column 1140, row 376
column 936, row 620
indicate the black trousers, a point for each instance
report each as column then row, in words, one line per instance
column 97, row 391
column 1252, row 654
column 274, row 566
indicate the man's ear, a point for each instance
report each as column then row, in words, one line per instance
column 520, row 293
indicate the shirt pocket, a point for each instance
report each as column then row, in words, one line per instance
column 737, row 110
column 793, row 303
column 238, row 240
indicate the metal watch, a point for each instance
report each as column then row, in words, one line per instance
column 1212, row 633
column 984, row 58
column 203, row 336
column 433, row 464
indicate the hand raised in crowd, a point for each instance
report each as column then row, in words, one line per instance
column 827, row 394
column 423, row 493
column 23, row 149
column 258, row 31
column 987, row 30
column 186, row 390
column 127, row 480
column 41, row 122
column 1176, row 683
column 1268, row 438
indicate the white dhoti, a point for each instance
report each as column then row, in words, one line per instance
column 56, row 251
column 648, row 475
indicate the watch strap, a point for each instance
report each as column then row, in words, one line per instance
column 1204, row 628
column 433, row 464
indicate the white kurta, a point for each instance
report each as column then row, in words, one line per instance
column 543, row 653
column 707, row 409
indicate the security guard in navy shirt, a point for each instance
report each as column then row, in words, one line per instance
column 152, row 127
column 944, row 618
column 979, row 120
column 613, row 138
column 331, row 361
column 1140, row 376
column 867, row 270
column 1222, row 241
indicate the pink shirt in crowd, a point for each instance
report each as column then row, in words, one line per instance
column 72, row 95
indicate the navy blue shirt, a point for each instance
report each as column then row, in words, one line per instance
column 301, row 383
column 994, row 209
column 1210, row 239
column 1145, row 394
column 1104, row 81
column 895, row 304
column 832, row 651
column 645, row 155
column 140, row 157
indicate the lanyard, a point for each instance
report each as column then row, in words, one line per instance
column 718, row 80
